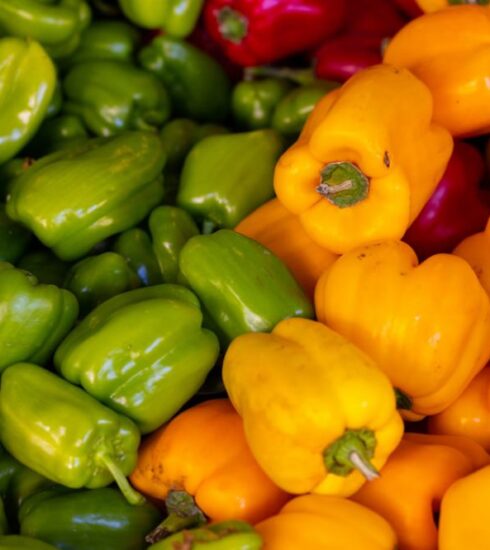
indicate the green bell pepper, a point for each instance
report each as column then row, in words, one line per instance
column 45, row 266
column 170, row 229
column 112, row 96
column 10, row 170
column 28, row 80
column 4, row 526
column 57, row 133
column 17, row 542
column 177, row 17
column 13, row 238
column 74, row 198
column 64, row 434
column 198, row 87
column 87, row 520
column 226, row 177
column 164, row 360
column 241, row 284
column 33, row 317
column 54, row 107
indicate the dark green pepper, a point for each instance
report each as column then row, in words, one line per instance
column 10, row 170
column 226, row 177
column 74, row 198
column 13, row 238
column 4, row 526
column 57, row 133
column 197, row 85
column 54, row 107
column 61, row 432
column 45, row 266
column 17, row 542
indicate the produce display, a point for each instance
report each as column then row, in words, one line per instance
column 244, row 274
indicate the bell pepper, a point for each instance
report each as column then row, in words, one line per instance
column 64, row 434
column 326, row 522
column 57, row 133
column 374, row 17
column 111, row 96
column 386, row 307
column 10, row 170
column 34, row 318
column 312, row 428
column 87, row 519
column 198, row 87
column 118, row 183
column 45, row 266
column 410, row 8
column 28, row 81
column 259, row 32
column 13, row 238
column 17, row 542
column 349, row 182
column 55, row 105
column 429, row 6
column 164, row 360
column 202, row 452
column 281, row 232
column 456, row 209
column 448, row 50
column 242, row 285
column 226, row 177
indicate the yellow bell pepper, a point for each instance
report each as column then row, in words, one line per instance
column 316, row 410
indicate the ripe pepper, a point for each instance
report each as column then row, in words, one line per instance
column 312, row 428
column 242, row 285
column 325, row 522
column 364, row 166
column 28, row 82
column 203, row 452
column 118, row 182
column 13, row 238
column 255, row 32
column 55, row 134
column 113, row 96
column 34, row 318
column 18, row 542
column 64, row 434
column 429, row 354
column 163, row 362
column 281, row 232
column 448, row 50
column 456, row 209
column 410, row 8
column 429, row 6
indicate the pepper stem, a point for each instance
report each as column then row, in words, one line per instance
column 403, row 402
column 343, row 184
column 132, row 496
column 233, row 25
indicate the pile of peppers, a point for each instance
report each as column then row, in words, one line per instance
column 244, row 274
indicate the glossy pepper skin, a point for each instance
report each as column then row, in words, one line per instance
column 386, row 307
column 164, row 361
column 457, row 208
column 255, row 32
column 71, row 438
column 325, row 522
column 243, row 287
column 18, row 542
column 34, row 318
column 448, row 50
column 55, row 134
column 226, row 177
column 349, row 178
column 354, row 428
column 203, row 451
column 13, row 238
column 118, row 182
column 112, row 96
column 197, row 85
column 28, row 82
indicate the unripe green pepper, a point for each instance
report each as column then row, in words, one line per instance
column 74, row 198
column 164, row 360
column 58, row 133
column 10, row 170
column 54, row 107
column 61, row 432
column 45, row 266
column 17, row 542
column 33, row 317
column 13, row 238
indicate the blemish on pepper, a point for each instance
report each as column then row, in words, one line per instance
column 386, row 159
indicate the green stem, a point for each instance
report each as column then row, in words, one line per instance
column 343, row 184
column 132, row 496
column 173, row 523
column 233, row 25
column 403, row 402
column 302, row 77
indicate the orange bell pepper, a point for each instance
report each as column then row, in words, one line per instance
column 364, row 164
column 429, row 6
column 273, row 226
column 324, row 522
column 411, row 486
column 449, row 50
column 380, row 299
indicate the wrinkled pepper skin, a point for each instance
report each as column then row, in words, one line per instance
column 18, row 542
column 71, row 438
column 449, row 51
column 386, row 307
column 28, row 79
column 56, row 134
column 34, row 318
column 118, row 183
column 111, row 96
column 164, row 361
column 355, row 427
column 87, row 520
column 350, row 179
column 326, row 522
column 242, row 285
column 13, row 238
column 198, row 87
column 226, row 177
column 203, row 451
column 45, row 266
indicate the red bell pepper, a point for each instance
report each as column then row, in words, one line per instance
column 374, row 17
column 458, row 207
column 255, row 32
column 409, row 7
